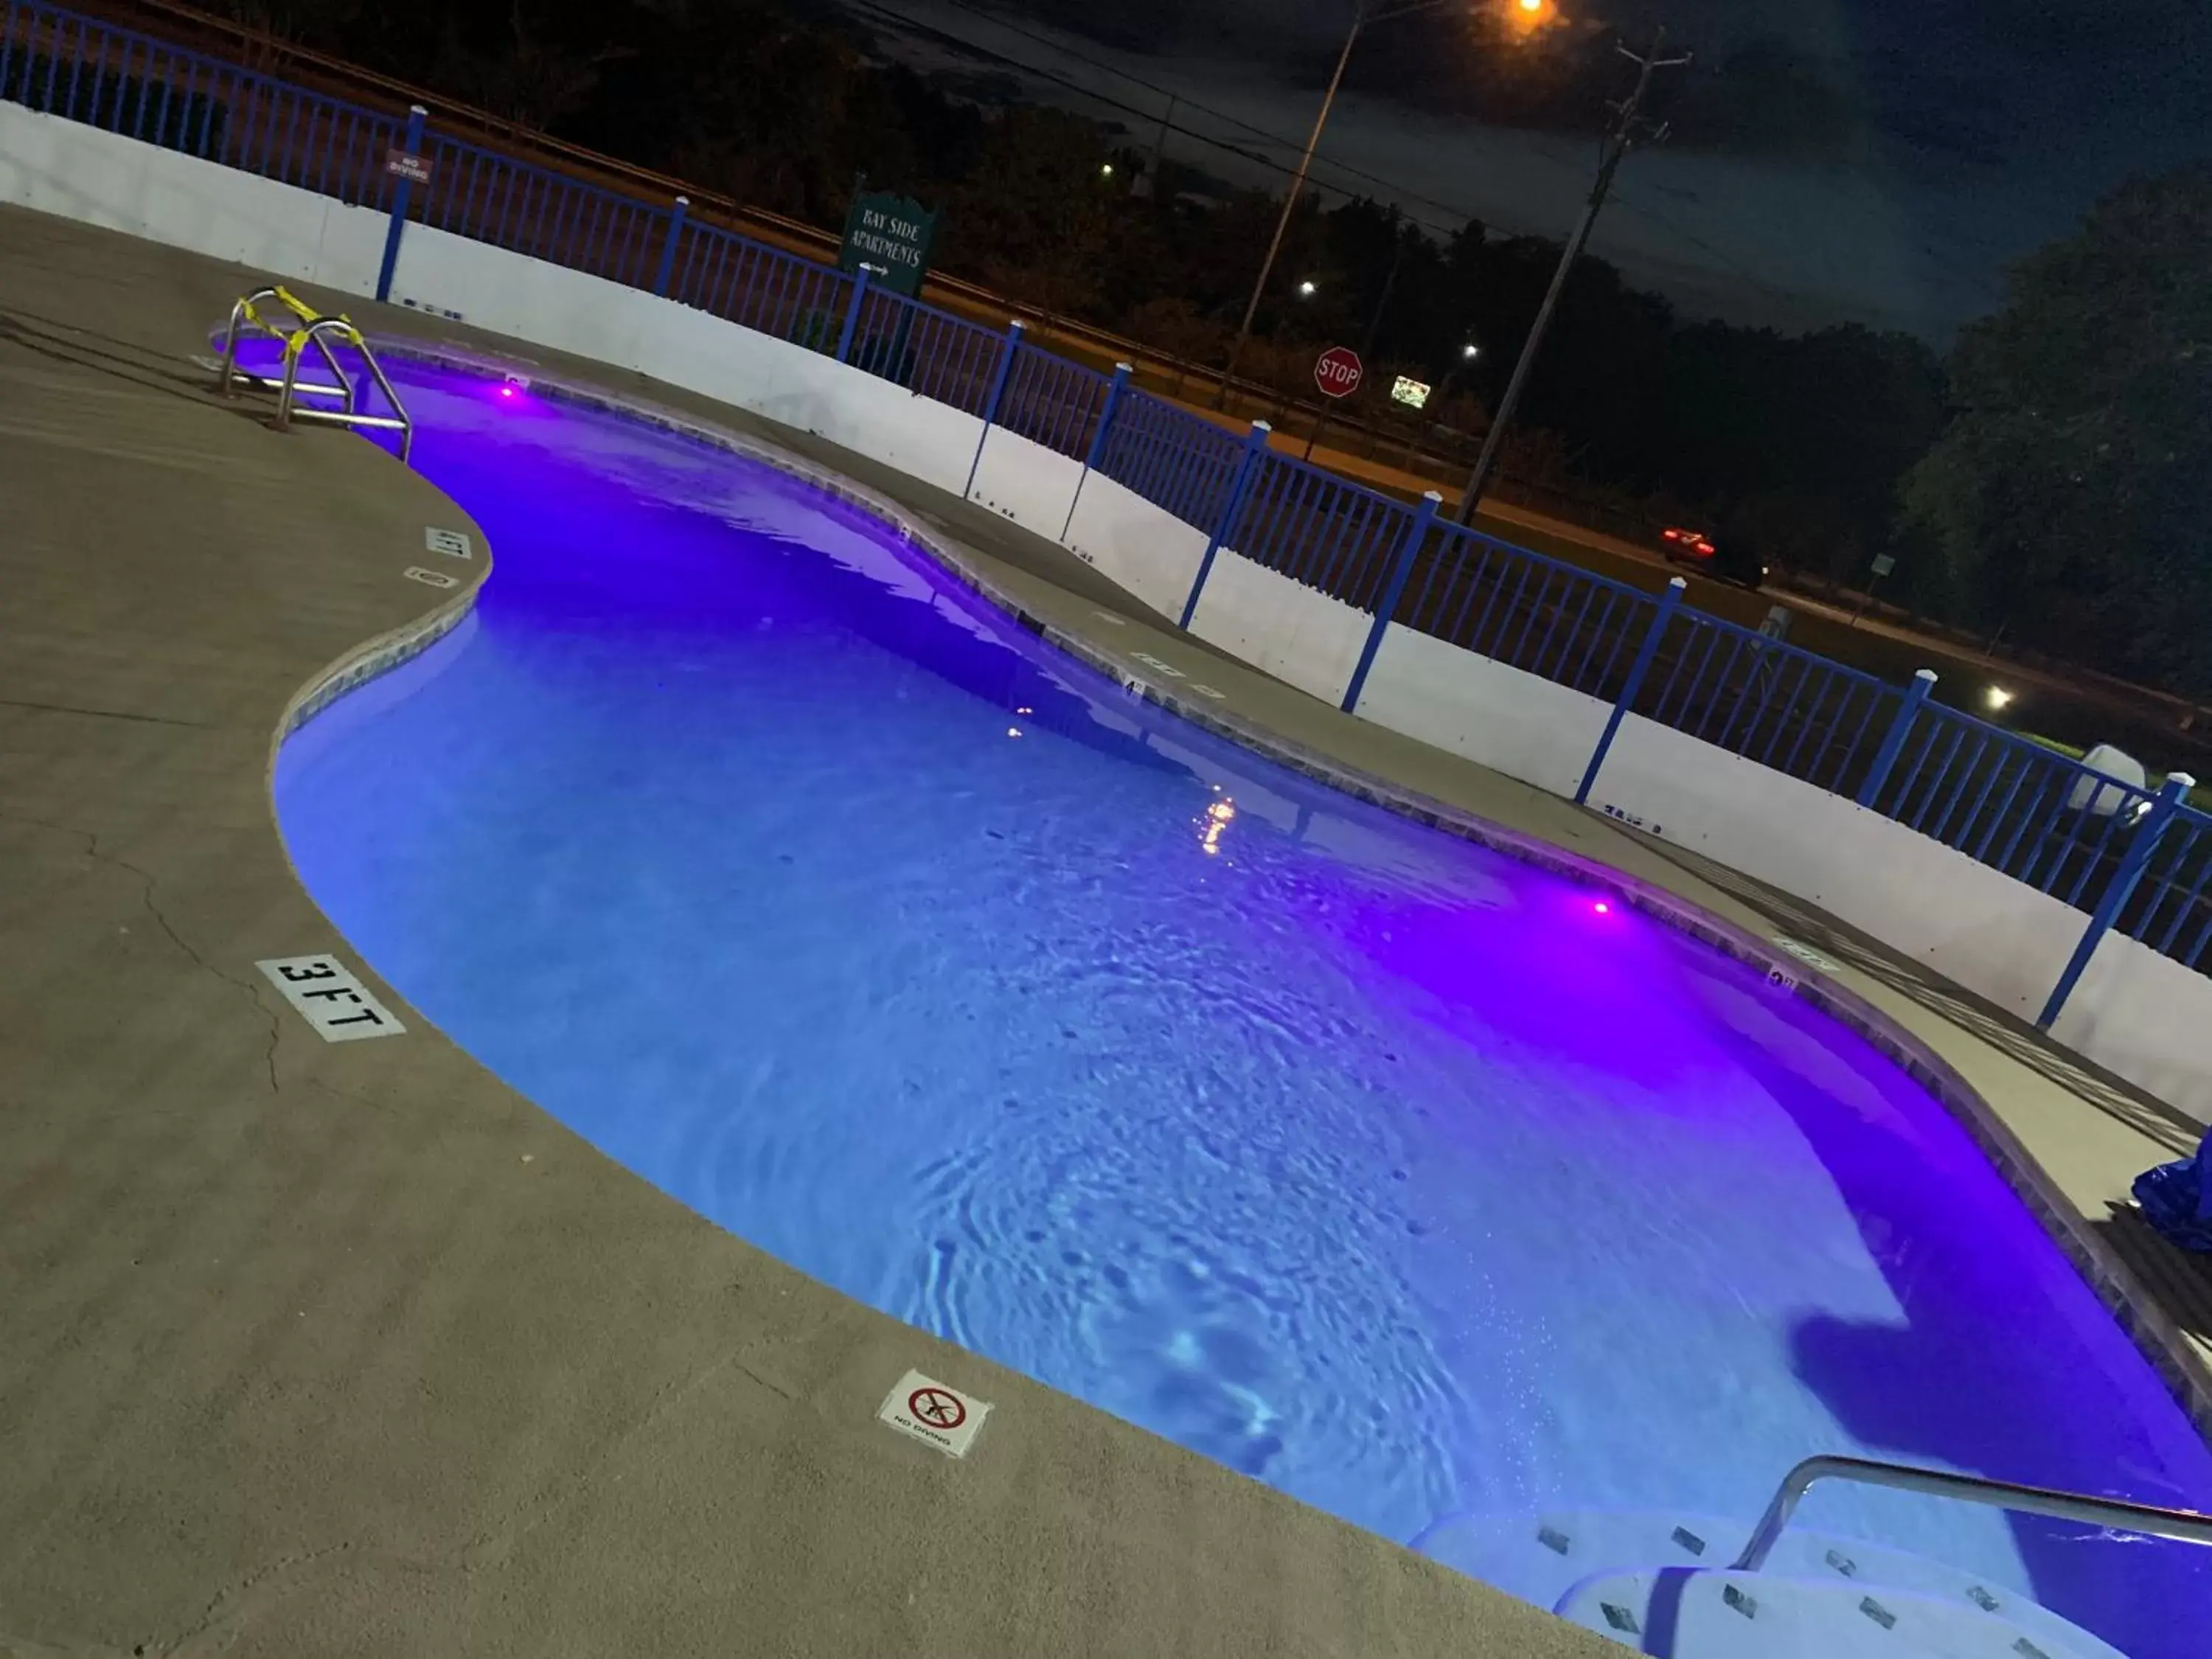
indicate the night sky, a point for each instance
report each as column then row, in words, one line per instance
column 1969, row 131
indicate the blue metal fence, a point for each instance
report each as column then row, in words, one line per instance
column 2172, row 909
column 2038, row 816
column 1318, row 529
column 1768, row 701
column 82, row 68
column 1179, row 461
column 489, row 197
column 1530, row 612
column 755, row 287
column 930, row 352
column 1052, row 402
column 2142, row 862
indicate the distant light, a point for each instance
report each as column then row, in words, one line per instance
column 1532, row 5
column 1470, row 352
column 1603, row 908
column 1024, row 711
column 506, row 391
column 1107, row 171
column 1996, row 697
column 1307, row 288
column 1013, row 730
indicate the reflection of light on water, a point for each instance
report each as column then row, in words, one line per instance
column 1218, row 818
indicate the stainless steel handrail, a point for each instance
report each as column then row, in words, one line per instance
column 228, row 375
column 2184, row 1525
column 311, row 328
column 288, row 408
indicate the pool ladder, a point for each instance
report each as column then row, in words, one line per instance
column 298, row 326
column 2186, row 1526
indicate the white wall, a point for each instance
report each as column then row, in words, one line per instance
column 2135, row 1012
column 1024, row 480
column 1991, row 933
column 77, row 171
column 590, row 316
column 1510, row 721
column 1281, row 626
column 2146, row 1018
column 1153, row 556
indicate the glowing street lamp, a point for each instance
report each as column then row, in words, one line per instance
column 1307, row 289
column 1361, row 19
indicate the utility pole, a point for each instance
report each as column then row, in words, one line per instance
column 1628, row 126
column 1147, row 182
column 1373, row 323
column 1290, row 204
column 1390, row 285
column 1362, row 16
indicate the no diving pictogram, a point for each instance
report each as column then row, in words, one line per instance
column 937, row 1408
column 936, row 1414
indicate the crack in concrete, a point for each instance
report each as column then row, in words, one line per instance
column 493, row 1548
column 231, row 1593
column 146, row 895
column 101, row 713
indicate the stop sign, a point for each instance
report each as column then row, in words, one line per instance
column 1339, row 372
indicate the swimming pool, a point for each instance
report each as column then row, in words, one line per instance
column 1369, row 1162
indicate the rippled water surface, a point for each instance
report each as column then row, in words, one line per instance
column 1369, row 1162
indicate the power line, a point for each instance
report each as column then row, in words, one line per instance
column 1458, row 216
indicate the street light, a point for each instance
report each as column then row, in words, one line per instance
column 1106, row 170
column 1307, row 289
column 1360, row 20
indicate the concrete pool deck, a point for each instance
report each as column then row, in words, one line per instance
column 310, row 1348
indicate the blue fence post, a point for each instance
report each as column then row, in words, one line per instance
column 2117, row 891
column 401, row 187
column 1892, row 745
column 668, row 248
column 1661, row 615
column 1113, row 390
column 852, row 312
column 1255, row 444
column 1409, row 548
column 991, row 404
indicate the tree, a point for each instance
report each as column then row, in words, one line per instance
column 530, row 76
column 1033, row 217
column 2070, row 498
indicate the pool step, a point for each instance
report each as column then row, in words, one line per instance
column 1809, row 1600
column 1711, row 1613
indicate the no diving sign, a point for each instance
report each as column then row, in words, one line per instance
column 934, row 1412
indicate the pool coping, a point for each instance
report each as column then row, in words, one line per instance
column 2156, row 1334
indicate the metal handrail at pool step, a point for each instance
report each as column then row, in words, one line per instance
column 2184, row 1526
column 308, row 327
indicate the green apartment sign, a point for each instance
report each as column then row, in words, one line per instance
column 891, row 235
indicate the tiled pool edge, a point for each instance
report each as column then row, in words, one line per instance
column 2153, row 1333
column 353, row 669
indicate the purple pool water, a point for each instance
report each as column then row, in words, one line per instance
column 1382, row 1168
